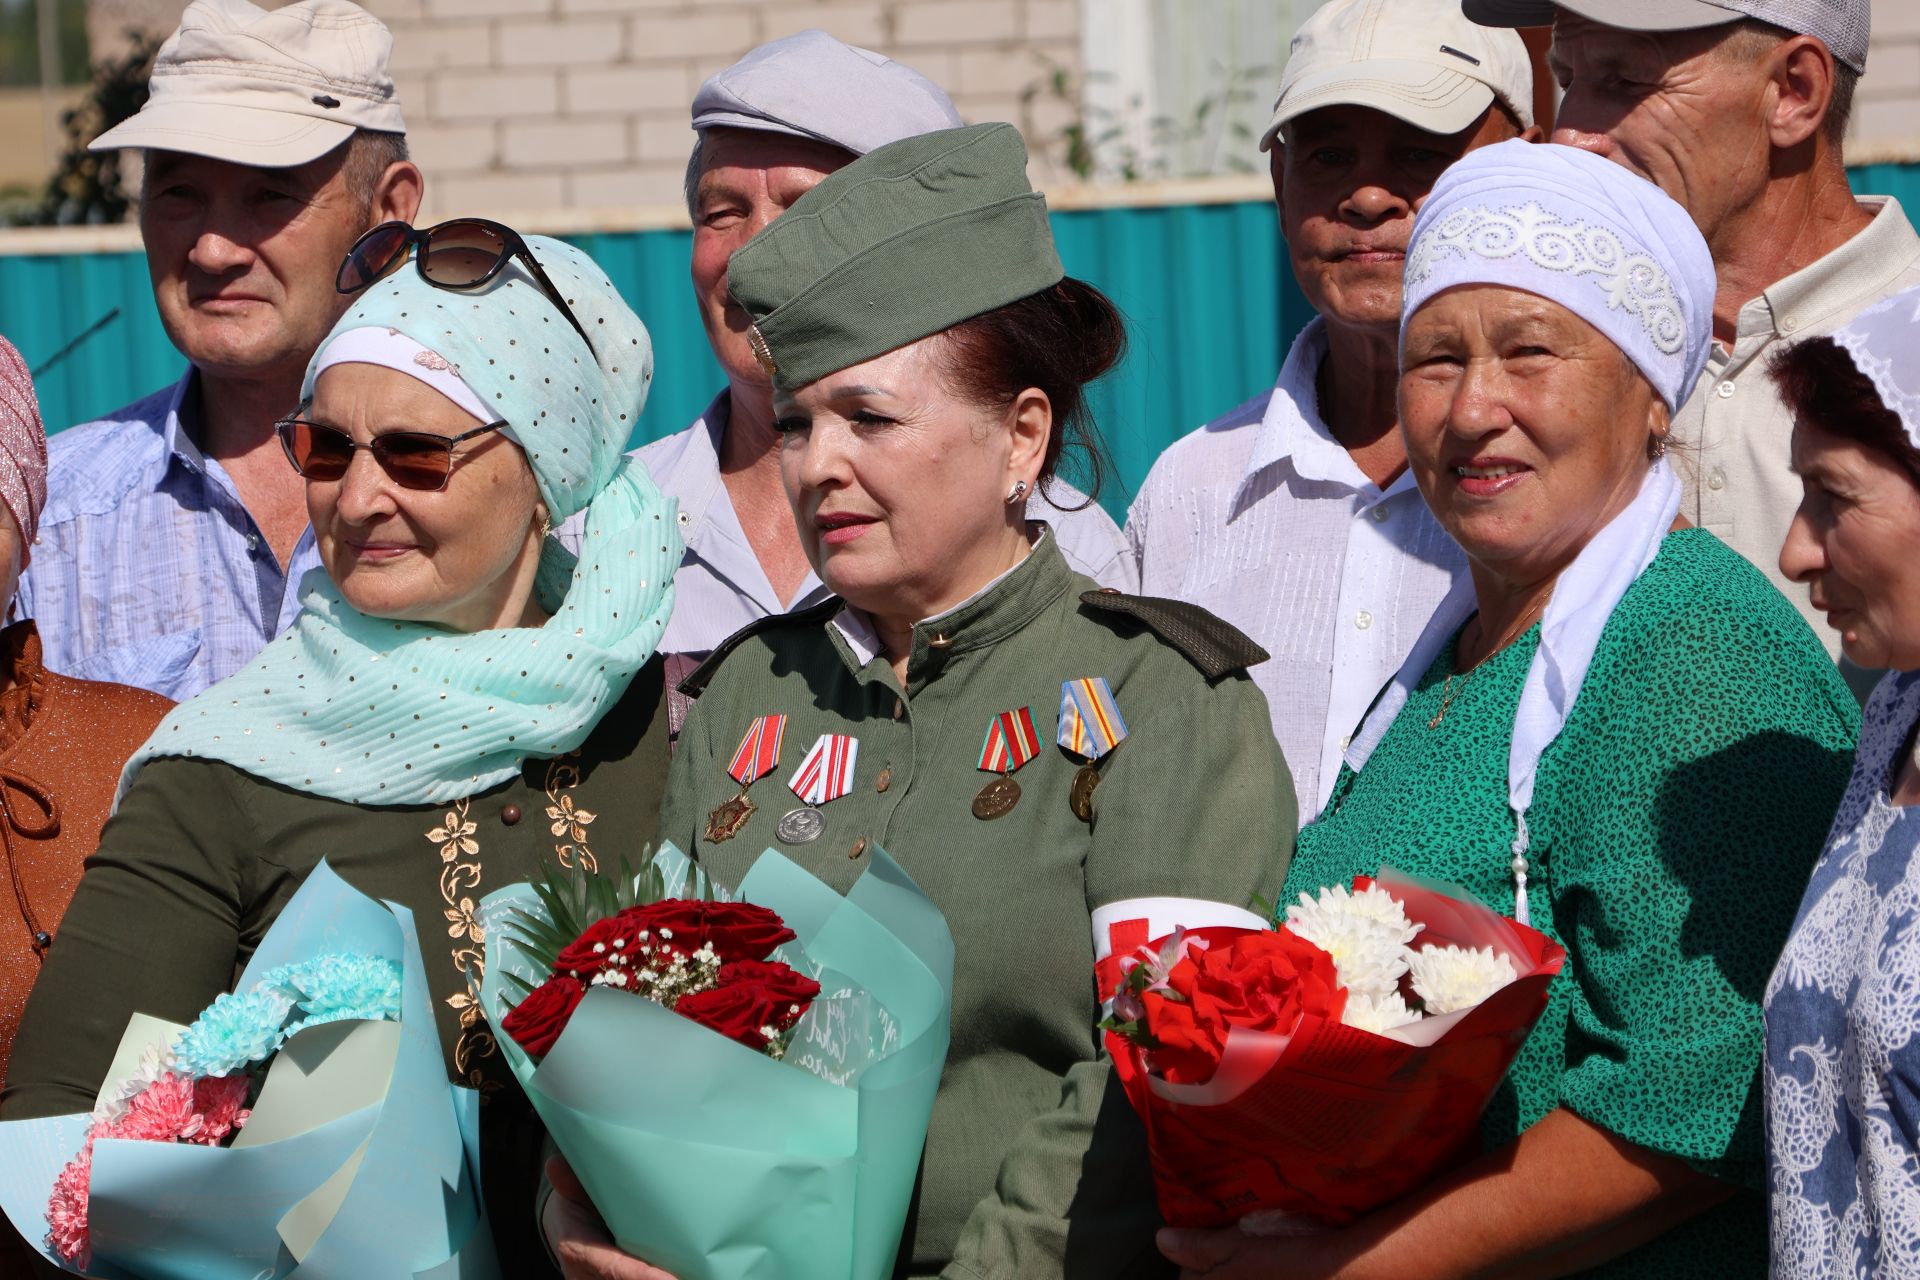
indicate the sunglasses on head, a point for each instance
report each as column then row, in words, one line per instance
column 413, row 459
column 465, row 253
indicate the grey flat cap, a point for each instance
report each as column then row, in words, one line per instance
column 1844, row 26
column 811, row 85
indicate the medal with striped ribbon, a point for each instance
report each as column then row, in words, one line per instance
column 824, row 775
column 757, row 756
column 1090, row 727
column 1011, row 742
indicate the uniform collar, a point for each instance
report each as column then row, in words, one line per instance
column 996, row 611
column 1864, row 266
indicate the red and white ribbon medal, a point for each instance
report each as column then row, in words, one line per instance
column 1011, row 741
column 824, row 776
column 757, row 755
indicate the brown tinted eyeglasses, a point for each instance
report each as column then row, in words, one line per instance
column 462, row 254
column 414, row 459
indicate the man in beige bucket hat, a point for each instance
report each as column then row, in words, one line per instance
column 175, row 534
column 1302, row 494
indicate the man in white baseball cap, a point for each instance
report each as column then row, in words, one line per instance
column 1294, row 516
column 767, row 129
column 1737, row 109
column 175, row 534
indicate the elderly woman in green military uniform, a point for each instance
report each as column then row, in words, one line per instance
column 459, row 699
column 1029, row 748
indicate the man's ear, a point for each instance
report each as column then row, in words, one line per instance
column 397, row 197
column 1802, row 73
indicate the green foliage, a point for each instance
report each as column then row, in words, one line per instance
column 575, row 899
column 1211, row 138
column 85, row 186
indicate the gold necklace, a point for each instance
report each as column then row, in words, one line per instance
column 1514, row 633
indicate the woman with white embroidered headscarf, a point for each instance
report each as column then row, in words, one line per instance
column 459, row 699
column 1615, row 727
column 1843, row 1056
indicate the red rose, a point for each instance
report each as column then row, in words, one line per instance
column 736, row 930
column 594, row 950
column 736, row 1012
column 752, row 996
column 536, row 1022
column 1186, row 1044
column 787, row 991
column 1265, row 981
column 1260, row 980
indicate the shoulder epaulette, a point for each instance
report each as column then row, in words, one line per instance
column 1215, row 646
column 696, row 683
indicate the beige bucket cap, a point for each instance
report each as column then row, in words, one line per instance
column 272, row 89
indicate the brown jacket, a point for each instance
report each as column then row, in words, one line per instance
column 62, row 743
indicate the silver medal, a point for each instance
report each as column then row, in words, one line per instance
column 801, row 826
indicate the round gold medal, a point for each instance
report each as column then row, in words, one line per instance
column 1080, row 796
column 996, row 799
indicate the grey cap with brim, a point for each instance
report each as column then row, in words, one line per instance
column 1844, row 26
column 811, row 85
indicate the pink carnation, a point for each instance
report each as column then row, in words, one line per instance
column 221, row 1104
column 67, row 1210
column 161, row 1112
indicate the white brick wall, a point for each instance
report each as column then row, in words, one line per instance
column 1886, row 114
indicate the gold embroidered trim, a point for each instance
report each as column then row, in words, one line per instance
column 460, row 871
column 569, row 823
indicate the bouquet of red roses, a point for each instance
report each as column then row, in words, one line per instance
column 743, row 1087
column 1325, row 1065
column 705, row 960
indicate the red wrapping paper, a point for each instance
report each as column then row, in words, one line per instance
column 1331, row 1122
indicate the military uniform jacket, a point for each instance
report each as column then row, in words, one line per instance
column 201, row 857
column 1035, row 1166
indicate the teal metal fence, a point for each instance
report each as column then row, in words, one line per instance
column 1205, row 288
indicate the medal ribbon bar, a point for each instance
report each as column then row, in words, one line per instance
column 827, row 772
column 759, row 751
column 1011, row 741
column 1090, row 722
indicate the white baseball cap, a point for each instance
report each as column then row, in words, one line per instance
column 1421, row 61
column 272, row 89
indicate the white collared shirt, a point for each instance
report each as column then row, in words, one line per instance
column 1264, row 518
column 721, row 586
column 1736, row 434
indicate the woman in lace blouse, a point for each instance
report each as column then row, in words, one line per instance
column 1842, row 1073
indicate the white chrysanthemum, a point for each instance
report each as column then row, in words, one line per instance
column 1366, row 933
column 1378, row 1014
column 1450, row 979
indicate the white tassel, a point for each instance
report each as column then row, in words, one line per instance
column 1520, row 912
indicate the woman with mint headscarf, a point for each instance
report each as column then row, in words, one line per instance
column 458, row 700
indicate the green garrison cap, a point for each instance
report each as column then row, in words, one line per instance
column 907, row 241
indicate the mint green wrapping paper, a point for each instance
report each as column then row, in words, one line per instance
column 719, row 1163
column 365, row 1170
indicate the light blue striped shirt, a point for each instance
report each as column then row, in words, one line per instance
column 148, row 569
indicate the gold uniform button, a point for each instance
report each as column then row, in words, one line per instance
column 899, row 710
column 859, row 847
column 884, row 781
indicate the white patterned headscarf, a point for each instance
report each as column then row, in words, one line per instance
column 1577, row 230
column 1884, row 342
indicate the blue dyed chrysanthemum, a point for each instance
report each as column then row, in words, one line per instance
column 336, row 988
column 235, row 1031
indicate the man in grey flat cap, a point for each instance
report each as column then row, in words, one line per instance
column 175, row 534
column 770, row 127
column 1737, row 108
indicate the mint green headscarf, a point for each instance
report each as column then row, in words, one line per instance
column 374, row 711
